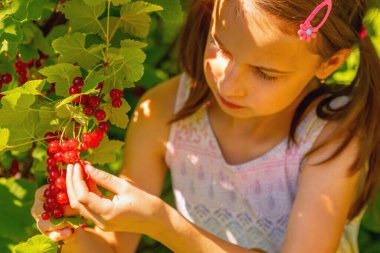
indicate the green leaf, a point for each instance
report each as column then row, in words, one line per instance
column 132, row 43
column 62, row 75
column 74, row 221
column 118, row 2
column 28, row 52
column 67, row 111
column 15, row 109
column 94, row 2
column 17, row 198
column 4, row 136
column 105, row 153
column 117, row 116
column 92, row 82
column 83, row 18
column 33, row 87
column 125, row 67
column 135, row 19
column 37, row 244
column 72, row 49
column 23, row 10
column 172, row 10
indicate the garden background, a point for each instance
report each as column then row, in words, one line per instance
column 35, row 33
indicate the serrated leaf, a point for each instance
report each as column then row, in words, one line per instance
column 66, row 111
column 24, row 10
column 72, row 49
column 135, row 18
column 33, row 87
column 105, row 153
column 172, row 10
column 4, row 136
column 92, row 82
column 37, row 244
column 62, row 75
column 118, row 2
column 125, row 67
column 74, row 221
column 83, row 21
column 118, row 116
column 132, row 43
column 15, row 109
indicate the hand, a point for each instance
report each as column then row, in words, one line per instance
column 55, row 233
column 130, row 209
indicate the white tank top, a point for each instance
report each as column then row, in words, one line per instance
column 247, row 204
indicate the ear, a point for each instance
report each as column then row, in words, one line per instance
column 330, row 65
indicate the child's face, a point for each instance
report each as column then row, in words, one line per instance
column 244, row 58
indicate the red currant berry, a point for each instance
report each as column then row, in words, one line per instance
column 117, row 103
column 73, row 144
column 60, row 183
column 6, row 78
column 49, row 136
column 115, row 94
column 93, row 143
column 48, row 193
column 58, row 212
column 74, row 90
column 62, row 198
column 84, row 99
column 51, row 202
column 94, row 101
column 84, row 146
column 45, row 216
column 58, row 157
column 98, row 135
column 53, row 147
column 46, row 207
column 51, row 161
column 86, row 137
column 104, row 127
column 78, row 81
column 51, row 168
column 88, row 110
column 100, row 114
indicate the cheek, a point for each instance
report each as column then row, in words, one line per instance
column 215, row 63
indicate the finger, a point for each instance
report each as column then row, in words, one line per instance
column 94, row 203
column 93, row 187
column 76, row 189
column 60, row 235
column 47, row 226
column 106, row 180
column 39, row 200
column 68, row 211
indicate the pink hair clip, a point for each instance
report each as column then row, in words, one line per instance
column 307, row 31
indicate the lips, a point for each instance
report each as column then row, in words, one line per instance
column 229, row 104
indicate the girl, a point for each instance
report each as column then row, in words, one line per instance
column 264, row 156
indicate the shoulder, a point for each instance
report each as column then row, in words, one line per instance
column 153, row 112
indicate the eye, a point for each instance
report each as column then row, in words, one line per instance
column 265, row 76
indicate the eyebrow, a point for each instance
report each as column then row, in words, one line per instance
column 215, row 37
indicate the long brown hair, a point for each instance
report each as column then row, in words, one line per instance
column 341, row 31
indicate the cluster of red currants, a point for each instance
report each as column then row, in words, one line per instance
column 116, row 96
column 90, row 103
column 61, row 153
column 22, row 68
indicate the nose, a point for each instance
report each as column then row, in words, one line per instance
column 232, row 84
